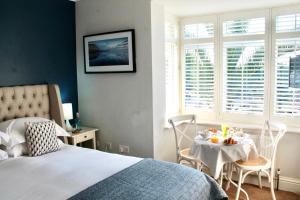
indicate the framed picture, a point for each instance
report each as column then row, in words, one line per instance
column 112, row 52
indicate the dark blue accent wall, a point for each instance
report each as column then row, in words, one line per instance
column 37, row 45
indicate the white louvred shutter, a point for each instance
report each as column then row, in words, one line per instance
column 199, row 77
column 172, row 101
column 240, row 27
column 287, row 46
column 244, row 64
column 199, row 30
column 288, row 23
column 171, row 68
column 287, row 100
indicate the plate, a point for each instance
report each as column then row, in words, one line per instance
column 229, row 144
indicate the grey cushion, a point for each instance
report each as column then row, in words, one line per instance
column 41, row 138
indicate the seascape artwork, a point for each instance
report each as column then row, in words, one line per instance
column 111, row 52
column 108, row 52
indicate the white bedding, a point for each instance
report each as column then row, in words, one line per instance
column 58, row 175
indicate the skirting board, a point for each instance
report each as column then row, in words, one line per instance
column 289, row 184
column 285, row 183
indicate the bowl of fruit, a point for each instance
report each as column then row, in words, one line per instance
column 230, row 141
column 213, row 130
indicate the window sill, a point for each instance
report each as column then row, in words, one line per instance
column 244, row 126
column 239, row 125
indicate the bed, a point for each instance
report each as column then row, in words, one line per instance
column 79, row 173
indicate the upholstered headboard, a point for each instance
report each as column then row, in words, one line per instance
column 31, row 101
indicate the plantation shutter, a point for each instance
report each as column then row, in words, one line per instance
column 171, row 69
column 199, row 68
column 172, row 102
column 244, row 27
column 244, row 75
column 287, row 100
column 200, row 30
column 243, row 66
column 288, row 23
column 199, row 77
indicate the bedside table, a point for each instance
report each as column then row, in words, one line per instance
column 85, row 134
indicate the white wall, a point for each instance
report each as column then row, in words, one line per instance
column 128, row 108
column 288, row 158
column 119, row 104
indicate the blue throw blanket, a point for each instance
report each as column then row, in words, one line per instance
column 150, row 179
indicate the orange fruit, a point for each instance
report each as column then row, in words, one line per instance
column 214, row 140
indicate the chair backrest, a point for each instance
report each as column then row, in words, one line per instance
column 268, row 142
column 181, row 125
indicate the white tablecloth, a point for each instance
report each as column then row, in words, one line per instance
column 214, row 156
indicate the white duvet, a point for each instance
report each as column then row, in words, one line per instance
column 58, row 175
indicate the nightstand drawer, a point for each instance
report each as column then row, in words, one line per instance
column 85, row 136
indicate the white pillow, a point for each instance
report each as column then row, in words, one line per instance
column 16, row 129
column 17, row 150
column 3, row 155
column 22, row 149
column 4, row 139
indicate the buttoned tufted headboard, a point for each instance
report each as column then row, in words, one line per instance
column 31, row 101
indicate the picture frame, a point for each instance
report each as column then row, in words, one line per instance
column 110, row 52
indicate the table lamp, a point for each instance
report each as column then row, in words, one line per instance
column 68, row 115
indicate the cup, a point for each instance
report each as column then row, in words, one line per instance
column 225, row 128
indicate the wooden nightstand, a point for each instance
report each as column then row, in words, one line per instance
column 85, row 134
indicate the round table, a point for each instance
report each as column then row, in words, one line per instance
column 215, row 155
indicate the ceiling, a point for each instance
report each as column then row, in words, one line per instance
column 202, row 7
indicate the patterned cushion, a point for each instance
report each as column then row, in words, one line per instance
column 41, row 138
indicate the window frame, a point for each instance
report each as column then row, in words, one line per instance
column 269, row 38
column 201, row 115
column 234, row 117
column 289, row 121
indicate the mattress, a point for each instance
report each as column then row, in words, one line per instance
column 58, row 175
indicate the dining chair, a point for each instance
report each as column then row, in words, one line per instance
column 265, row 162
column 181, row 125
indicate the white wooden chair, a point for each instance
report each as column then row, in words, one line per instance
column 181, row 124
column 265, row 163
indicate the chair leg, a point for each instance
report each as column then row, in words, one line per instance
column 199, row 166
column 195, row 165
column 239, row 185
column 178, row 159
column 259, row 179
column 272, row 187
column 230, row 169
column 221, row 178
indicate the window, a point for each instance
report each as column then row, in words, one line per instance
column 244, row 75
column 196, row 31
column 199, row 68
column 288, row 23
column 287, row 100
column 243, row 53
column 171, row 67
column 199, row 77
column 286, row 40
column 235, row 66
column 244, row 27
